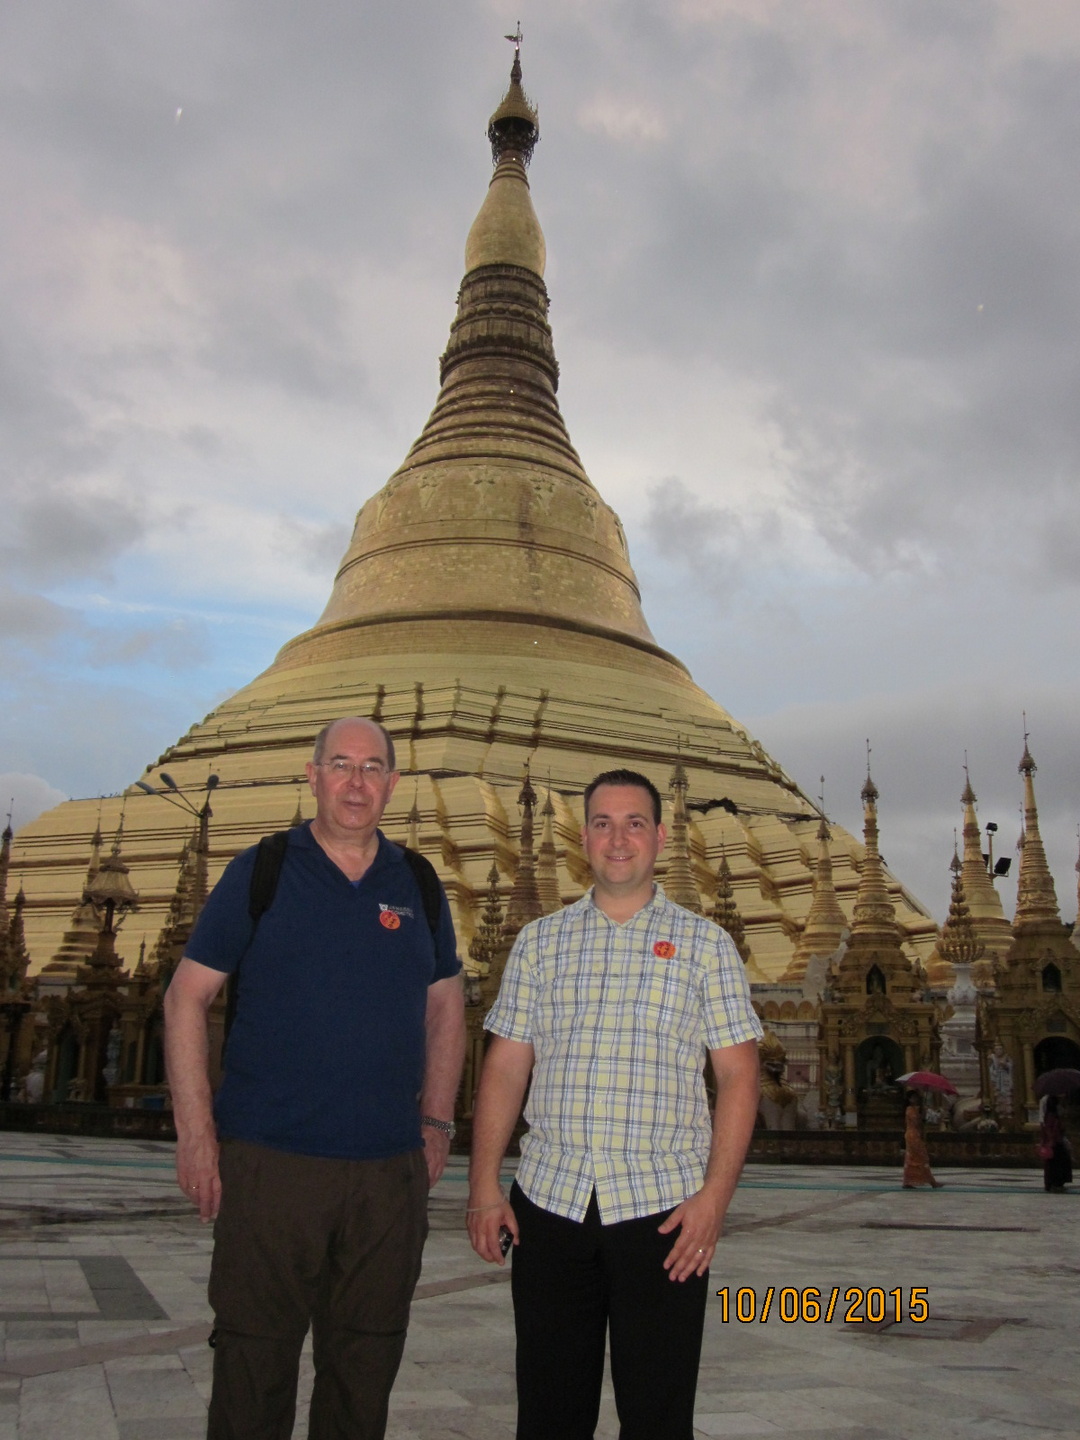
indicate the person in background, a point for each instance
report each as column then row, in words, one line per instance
column 916, row 1159
column 1054, row 1148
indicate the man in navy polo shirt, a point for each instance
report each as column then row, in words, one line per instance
column 335, row 1112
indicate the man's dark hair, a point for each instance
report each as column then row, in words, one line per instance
column 320, row 738
column 624, row 777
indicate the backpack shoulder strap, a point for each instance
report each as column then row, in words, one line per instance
column 269, row 858
column 426, row 877
column 265, row 873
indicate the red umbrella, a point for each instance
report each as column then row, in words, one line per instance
column 1057, row 1082
column 927, row 1080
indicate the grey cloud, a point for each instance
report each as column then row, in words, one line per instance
column 27, row 796
column 319, row 548
column 286, row 331
column 713, row 545
column 62, row 534
column 26, row 617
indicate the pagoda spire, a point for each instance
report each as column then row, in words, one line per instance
column 14, row 957
column 726, row 911
column 524, row 902
column 980, row 892
column 874, row 913
column 1036, row 898
column 826, row 923
column 414, row 819
column 96, row 843
column 547, row 868
column 679, row 877
column 5, row 866
column 484, row 946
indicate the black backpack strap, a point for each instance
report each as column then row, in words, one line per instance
column 431, row 891
column 269, row 858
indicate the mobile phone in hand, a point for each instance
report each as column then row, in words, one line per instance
column 506, row 1239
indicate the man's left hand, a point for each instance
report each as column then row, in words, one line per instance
column 436, row 1150
column 699, row 1221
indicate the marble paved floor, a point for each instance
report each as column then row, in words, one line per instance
column 103, row 1315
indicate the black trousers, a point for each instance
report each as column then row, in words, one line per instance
column 331, row 1243
column 573, row 1281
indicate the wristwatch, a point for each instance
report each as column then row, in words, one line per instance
column 448, row 1128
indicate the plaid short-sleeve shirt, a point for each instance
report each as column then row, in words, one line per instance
column 620, row 1018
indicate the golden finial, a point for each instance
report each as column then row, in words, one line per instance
column 869, row 790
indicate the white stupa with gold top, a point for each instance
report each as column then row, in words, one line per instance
column 487, row 613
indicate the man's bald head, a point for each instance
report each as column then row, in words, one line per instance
column 323, row 737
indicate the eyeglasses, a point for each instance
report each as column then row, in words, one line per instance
column 372, row 771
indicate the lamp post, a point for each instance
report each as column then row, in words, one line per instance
column 203, row 814
column 995, row 869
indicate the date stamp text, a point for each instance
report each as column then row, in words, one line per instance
column 856, row 1305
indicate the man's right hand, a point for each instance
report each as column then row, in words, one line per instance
column 197, row 1172
column 485, row 1220
column 191, row 992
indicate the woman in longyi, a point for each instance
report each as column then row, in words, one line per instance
column 916, row 1159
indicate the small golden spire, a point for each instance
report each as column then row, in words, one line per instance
column 1036, row 898
column 15, row 958
column 524, row 902
column 547, row 869
column 414, row 818
column 298, row 813
column 980, row 892
column 679, row 878
column 486, row 940
column 5, row 865
column 874, row 911
column 726, row 911
column 825, row 922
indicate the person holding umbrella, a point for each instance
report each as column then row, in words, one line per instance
column 916, row 1158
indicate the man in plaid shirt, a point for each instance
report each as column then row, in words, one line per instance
column 610, row 1006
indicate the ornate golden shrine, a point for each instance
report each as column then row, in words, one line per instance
column 1032, row 1024
column 877, row 1021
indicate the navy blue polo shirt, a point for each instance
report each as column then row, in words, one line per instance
column 326, row 1053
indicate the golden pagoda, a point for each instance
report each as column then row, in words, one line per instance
column 486, row 612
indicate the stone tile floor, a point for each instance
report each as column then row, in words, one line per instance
column 103, row 1315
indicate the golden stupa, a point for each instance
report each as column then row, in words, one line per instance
column 487, row 613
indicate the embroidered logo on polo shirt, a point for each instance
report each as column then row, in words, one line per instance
column 396, row 909
column 664, row 950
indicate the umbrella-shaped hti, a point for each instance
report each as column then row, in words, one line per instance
column 1057, row 1082
column 926, row 1080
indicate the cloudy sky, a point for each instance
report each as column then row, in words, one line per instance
column 814, row 280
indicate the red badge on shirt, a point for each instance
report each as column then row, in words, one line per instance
column 664, row 950
column 389, row 919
